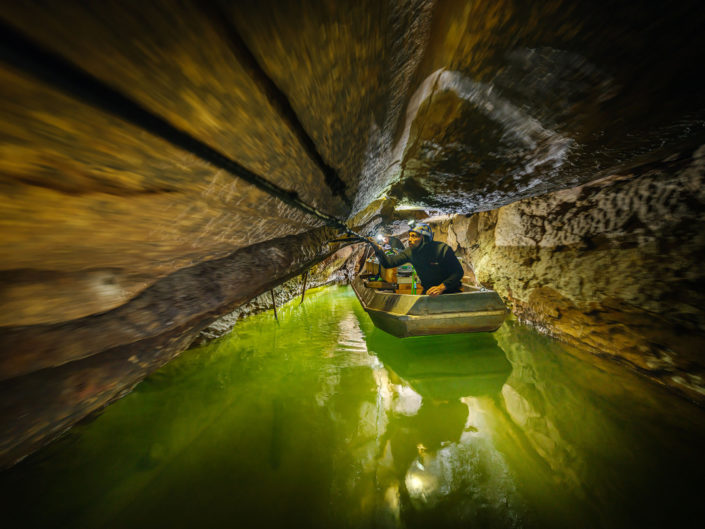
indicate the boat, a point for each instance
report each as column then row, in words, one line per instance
column 444, row 367
column 474, row 309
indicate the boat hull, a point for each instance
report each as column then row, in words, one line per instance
column 444, row 368
column 404, row 315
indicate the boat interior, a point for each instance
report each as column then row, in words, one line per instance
column 386, row 287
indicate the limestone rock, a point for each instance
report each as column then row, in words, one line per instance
column 610, row 266
column 120, row 243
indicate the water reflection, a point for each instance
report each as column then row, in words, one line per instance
column 434, row 454
column 339, row 425
column 514, row 429
column 444, row 367
column 585, row 435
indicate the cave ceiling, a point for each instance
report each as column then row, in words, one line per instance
column 448, row 106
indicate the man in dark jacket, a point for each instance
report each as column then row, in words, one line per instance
column 437, row 266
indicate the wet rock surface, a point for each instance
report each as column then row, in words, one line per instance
column 53, row 375
column 611, row 266
column 515, row 100
column 117, row 238
column 338, row 268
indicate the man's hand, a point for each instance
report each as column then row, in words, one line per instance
column 374, row 243
column 434, row 291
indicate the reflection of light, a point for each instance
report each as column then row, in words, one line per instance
column 375, row 363
column 414, row 484
column 352, row 340
column 391, row 497
column 419, row 482
column 380, row 237
column 476, row 423
column 408, row 402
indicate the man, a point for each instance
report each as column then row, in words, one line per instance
column 437, row 266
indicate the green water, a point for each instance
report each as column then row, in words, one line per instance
column 324, row 421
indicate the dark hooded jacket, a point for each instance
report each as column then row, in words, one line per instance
column 435, row 263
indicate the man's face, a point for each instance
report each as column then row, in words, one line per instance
column 414, row 239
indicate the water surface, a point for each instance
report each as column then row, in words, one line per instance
column 324, row 421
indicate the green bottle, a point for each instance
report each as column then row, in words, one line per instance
column 413, row 282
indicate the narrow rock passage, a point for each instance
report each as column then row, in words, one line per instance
column 556, row 146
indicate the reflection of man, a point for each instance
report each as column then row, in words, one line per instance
column 437, row 266
column 415, row 441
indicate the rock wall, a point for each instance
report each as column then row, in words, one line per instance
column 121, row 240
column 338, row 268
column 53, row 375
column 614, row 266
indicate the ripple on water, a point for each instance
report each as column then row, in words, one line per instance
column 339, row 424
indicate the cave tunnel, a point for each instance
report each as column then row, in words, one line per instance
column 175, row 179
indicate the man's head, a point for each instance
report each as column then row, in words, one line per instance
column 421, row 232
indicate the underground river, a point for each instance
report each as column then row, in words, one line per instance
column 321, row 420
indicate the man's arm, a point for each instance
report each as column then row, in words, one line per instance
column 455, row 277
column 391, row 261
column 451, row 264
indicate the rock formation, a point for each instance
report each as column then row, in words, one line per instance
column 610, row 266
column 141, row 143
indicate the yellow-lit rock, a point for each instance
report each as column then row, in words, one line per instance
column 119, row 245
column 610, row 266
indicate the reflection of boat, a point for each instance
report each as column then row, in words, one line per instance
column 402, row 315
column 444, row 367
